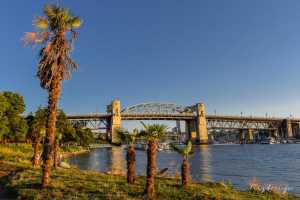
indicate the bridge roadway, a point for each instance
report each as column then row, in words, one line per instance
column 184, row 116
column 213, row 121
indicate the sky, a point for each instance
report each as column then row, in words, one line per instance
column 235, row 56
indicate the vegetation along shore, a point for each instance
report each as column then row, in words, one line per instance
column 20, row 180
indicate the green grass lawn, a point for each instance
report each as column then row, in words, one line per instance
column 23, row 182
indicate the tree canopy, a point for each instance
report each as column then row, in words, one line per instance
column 16, row 128
column 13, row 127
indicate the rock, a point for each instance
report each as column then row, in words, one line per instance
column 65, row 165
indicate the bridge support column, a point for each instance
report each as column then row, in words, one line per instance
column 201, row 124
column 191, row 130
column 250, row 135
column 288, row 131
column 297, row 130
column 274, row 133
column 115, row 122
column 242, row 136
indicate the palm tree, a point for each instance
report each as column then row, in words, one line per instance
column 185, row 167
column 129, row 139
column 152, row 133
column 39, row 134
column 37, row 129
column 54, row 66
column 56, row 155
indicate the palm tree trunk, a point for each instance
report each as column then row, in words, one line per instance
column 36, row 152
column 151, row 168
column 185, row 173
column 131, row 166
column 54, row 93
column 55, row 155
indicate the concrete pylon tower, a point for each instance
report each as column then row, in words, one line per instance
column 201, row 123
column 289, row 129
column 250, row 135
column 115, row 120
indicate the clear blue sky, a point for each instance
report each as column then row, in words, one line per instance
column 232, row 55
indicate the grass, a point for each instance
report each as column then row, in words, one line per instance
column 72, row 149
column 76, row 184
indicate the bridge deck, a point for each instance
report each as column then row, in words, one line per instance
column 184, row 116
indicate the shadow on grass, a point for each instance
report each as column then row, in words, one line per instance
column 7, row 192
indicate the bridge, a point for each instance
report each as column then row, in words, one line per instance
column 197, row 122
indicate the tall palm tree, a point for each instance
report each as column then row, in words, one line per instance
column 152, row 133
column 129, row 138
column 54, row 66
column 185, row 167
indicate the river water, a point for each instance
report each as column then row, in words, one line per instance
column 238, row 164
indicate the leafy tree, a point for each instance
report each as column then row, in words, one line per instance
column 13, row 123
column 4, row 129
column 16, row 103
column 18, row 128
column 185, row 167
column 129, row 138
column 56, row 31
column 63, row 127
column 152, row 133
column 84, row 137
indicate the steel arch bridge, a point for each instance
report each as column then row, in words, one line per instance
column 192, row 116
column 155, row 108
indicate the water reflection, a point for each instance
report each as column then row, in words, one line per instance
column 277, row 164
column 117, row 160
column 205, row 165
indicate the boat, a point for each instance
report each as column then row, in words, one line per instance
column 269, row 140
column 163, row 146
column 141, row 146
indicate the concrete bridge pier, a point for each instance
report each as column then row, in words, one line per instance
column 190, row 129
column 201, row 124
column 242, row 136
column 297, row 130
column 287, row 128
column 250, row 135
column 115, row 121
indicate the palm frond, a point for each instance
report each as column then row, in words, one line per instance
column 41, row 23
column 175, row 148
column 185, row 151
column 75, row 22
column 33, row 38
column 50, row 11
column 127, row 137
column 153, row 131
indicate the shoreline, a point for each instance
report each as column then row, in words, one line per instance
column 85, row 150
column 70, row 154
column 66, row 183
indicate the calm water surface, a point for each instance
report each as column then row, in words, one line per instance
column 274, row 164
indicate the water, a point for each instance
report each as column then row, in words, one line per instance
column 238, row 164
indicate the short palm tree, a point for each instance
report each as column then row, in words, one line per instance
column 129, row 138
column 185, row 167
column 38, row 130
column 54, row 66
column 152, row 133
column 56, row 156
